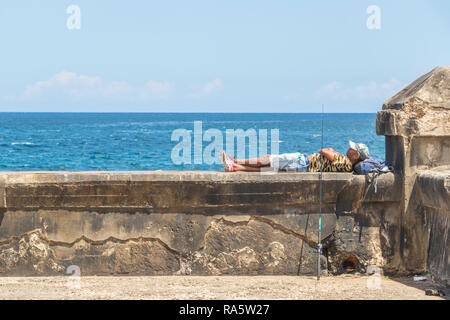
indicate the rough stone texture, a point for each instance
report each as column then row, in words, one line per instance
column 416, row 123
column 200, row 223
column 431, row 202
column 422, row 108
column 28, row 254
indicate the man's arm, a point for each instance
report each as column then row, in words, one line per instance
column 328, row 153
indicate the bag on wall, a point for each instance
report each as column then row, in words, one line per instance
column 372, row 168
column 372, row 165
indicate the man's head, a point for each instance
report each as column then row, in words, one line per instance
column 357, row 152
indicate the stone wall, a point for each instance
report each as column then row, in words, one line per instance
column 416, row 123
column 203, row 223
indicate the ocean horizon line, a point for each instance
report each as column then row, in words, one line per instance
column 156, row 112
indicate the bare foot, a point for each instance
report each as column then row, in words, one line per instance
column 228, row 164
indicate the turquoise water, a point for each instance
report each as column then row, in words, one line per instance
column 142, row 141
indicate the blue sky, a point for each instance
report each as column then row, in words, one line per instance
column 216, row 56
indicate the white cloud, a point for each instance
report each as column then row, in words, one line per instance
column 373, row 90
column 207, row 89
column 75, row 85
column 82, row 86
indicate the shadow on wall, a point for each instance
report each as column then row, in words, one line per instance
column 424, row 285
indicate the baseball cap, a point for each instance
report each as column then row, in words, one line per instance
column 361, row 148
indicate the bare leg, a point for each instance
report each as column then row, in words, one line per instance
column 254, row 162
column 240, row 167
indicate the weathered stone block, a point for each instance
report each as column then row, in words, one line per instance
column 182, row 223
column 416, row 123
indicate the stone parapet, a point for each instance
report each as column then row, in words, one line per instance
column 191, row 222
column 416, row 123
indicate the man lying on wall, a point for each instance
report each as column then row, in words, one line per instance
column 326, row 160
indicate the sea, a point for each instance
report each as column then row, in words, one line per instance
column 169, row 141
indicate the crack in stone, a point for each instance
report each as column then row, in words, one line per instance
column 270, row 222
column 90, row 241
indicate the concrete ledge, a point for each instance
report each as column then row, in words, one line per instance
column 177, row 191
column 217, row 176
column 191, row 222
column 434, row 189
column 431, row 199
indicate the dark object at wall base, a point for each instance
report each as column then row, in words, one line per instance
column 434, row 292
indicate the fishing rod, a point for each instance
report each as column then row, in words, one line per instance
column 319, row 236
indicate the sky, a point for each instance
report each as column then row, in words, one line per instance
column 216, row 56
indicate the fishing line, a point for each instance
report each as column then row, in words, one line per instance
column 319, row 240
